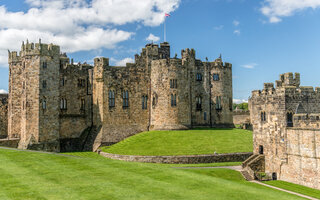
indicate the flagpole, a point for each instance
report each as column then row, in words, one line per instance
column 165, row 29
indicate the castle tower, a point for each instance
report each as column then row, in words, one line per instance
column 14, row 99
column 221, row 93
column 36, row 97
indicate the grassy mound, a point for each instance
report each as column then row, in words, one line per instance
column 31, row 175
column 184, row 142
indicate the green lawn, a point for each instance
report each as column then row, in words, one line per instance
column 32, row 175
column 184, row 142
column 295, row 188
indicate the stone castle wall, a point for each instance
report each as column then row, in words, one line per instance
column 302, row 163
column 241, row 117
column 282, row 119
column 51, row 99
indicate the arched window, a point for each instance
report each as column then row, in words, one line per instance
column 289, row 119
column 198, row 103
column 44, row 104
column 125, row 97
column 63, row 104
column 144, row 102
column 44, row 65
column 111, row 99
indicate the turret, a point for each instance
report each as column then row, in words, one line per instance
column 188, row 55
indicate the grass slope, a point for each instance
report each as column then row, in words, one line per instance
column 184, row 142
column 295, row 188
column 32, row 175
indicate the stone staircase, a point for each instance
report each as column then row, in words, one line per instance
column 255, row 163
column 246, row 175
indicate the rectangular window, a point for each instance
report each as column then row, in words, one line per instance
column 44, row 84
column 173, row 100
column 199, row 77
column 144, row 102
column 263, row 116
column 216, row 77
column 173, row 83
column 44, row 65
column 111, row 99
column 205, row 116
column 125, row 96
column 198, row 103
column 218, row 103
column 81, row 82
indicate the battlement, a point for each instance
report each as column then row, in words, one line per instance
column 287, row 79
column 30, row 49
column 287, row 85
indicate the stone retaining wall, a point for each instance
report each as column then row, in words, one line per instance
column 189, row 159
column 13, row 143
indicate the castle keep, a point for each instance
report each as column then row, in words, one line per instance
column 55, row 105
column 286, row 131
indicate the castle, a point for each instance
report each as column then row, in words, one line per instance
column 56, row 105
column 286, row 131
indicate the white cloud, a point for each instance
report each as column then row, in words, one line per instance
column 237, row 32
column 236, row 23
column 218, row 28
column 2, row 91
column 250, row 65
column 275, row 10
column 122, row 62
column 237, row 101
column 152, row 38
column 77, row 25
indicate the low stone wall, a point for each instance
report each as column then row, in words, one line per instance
column 189, row 159
column 13, row 143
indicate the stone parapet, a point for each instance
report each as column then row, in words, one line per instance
column 187, row 159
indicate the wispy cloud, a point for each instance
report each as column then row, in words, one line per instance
column 121, row 62
column 152, row 38
column 250, row 65
column 218, row 28
column 237, row 32
column 275, row 10
column 236, row 23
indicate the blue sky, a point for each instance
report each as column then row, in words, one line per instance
column 260, row 38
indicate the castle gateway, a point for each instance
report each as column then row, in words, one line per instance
column 55, row 105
